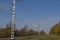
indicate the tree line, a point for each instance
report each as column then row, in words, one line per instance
column 6, row 32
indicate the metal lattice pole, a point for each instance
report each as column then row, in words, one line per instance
column 13, row 20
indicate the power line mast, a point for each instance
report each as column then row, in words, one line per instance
column 39, row 28
column 13, row 20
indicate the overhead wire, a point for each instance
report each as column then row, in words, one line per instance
column 4, row 14
column 9, row 14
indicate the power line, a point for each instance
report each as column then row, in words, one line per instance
column 6, row 6
column 9, row 15
column 5, row 12
column 10, row 9
column 5, row 15
column 2, row 9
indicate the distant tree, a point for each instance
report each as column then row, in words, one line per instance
column 31, row 32
column 17, row 32
column 55, row 29
column 42, row 32
column 24, row 31
column 2, row 32
column 7, row 30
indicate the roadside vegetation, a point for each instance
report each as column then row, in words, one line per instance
column 25, row 34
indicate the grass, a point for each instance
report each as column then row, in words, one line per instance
column 35, row 38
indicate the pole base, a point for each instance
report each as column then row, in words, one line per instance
column 12, row 39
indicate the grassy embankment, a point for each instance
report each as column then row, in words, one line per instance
column 35, row 38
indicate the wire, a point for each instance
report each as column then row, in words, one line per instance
column 8, row 15
column 9, row 7
column 5, row 15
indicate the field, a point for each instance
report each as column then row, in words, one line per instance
column 35, row 38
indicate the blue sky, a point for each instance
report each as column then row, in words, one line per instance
column 32, row 12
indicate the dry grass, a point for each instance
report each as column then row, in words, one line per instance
column 35, row 38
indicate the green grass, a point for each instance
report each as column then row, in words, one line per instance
column 47, row 38
column 35, row 38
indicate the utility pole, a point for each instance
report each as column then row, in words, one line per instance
column 13, row 20
column 39, row 28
